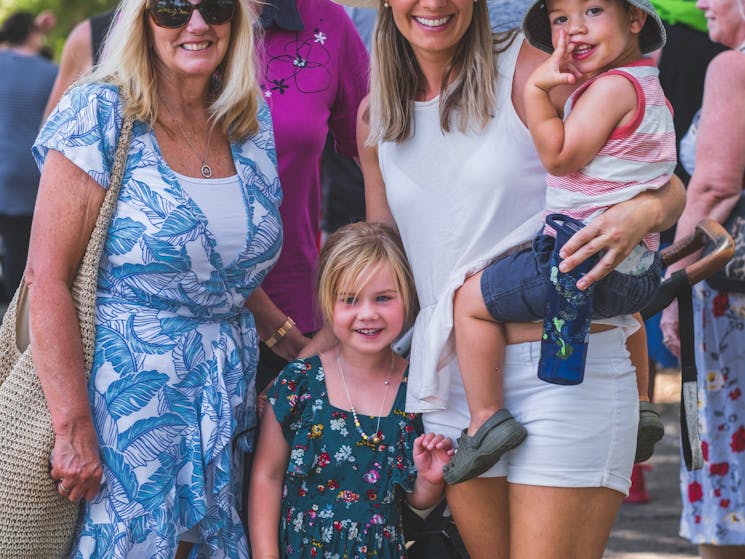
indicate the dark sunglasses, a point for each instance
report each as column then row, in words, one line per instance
column 177, row 13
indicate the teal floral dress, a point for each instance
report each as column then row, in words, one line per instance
column 342, row 496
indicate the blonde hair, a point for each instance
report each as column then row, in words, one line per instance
column 128, row 61
column 352, row 254
column 468, row 86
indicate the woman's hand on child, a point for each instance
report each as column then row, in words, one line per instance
column 322, row 341
column 291, row 345
column 612, row 235
column 262, row 402
column 431, row 453
column 558, row 69
column 615, row 232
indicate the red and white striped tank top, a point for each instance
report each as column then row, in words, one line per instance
column 638, row 156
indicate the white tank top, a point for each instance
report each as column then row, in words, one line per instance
column 222, row 204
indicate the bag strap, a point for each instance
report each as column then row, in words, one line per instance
column 15, row 324
column 84, row 286
column 94, row 250
column 689, row 436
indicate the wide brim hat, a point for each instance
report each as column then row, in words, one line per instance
column 359, row 3
column 538, row 30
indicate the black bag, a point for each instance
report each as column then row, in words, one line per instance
column 732, row 276
column 434, row 537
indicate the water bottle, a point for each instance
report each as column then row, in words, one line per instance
column 566, row 324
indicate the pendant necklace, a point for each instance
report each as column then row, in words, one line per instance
column 378, row 436
column 205, row 170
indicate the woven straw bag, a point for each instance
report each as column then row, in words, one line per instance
column 36, row 522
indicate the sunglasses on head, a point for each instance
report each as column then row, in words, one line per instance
column 177, row 13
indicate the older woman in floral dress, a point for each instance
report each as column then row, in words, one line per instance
column 148, row 442
column 713, row 152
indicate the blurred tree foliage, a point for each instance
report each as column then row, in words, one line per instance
column 68, row 13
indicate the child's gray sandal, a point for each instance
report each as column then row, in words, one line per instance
column 476, row 454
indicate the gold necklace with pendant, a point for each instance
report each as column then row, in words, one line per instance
column 205, row 169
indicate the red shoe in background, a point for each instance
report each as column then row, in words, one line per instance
column 638, row 491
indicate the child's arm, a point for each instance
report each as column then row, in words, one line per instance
column 431, row 454
column 265, row 493
column 567, row 146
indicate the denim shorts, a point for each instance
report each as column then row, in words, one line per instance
column 514, row 287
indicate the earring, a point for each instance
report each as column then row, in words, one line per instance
column 386, row 5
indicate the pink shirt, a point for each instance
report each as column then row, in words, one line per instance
column 313, row 81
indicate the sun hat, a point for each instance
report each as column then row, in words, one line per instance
column 359, row 3
column 538, row 31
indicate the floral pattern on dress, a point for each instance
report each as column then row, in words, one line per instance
column 341, row 497
column 302, row 63
column 714, row 497
column 176, row 350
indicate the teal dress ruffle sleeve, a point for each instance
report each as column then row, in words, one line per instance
column 342, row 495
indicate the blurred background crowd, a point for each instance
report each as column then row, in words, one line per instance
column 46, row 44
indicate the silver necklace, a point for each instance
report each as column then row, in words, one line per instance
column 378, row 436
column 205, row 169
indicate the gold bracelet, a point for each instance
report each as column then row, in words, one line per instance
column 280, row 332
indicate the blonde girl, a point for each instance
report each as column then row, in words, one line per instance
column 337, row 454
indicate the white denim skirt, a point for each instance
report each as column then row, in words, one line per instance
column 578, row 436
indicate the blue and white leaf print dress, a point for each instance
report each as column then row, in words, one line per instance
column 176, row 350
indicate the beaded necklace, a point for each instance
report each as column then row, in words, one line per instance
column 378, row 436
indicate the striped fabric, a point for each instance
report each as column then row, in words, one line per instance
column 638, row 156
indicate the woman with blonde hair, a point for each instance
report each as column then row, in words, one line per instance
column 148, row 442
column 449, row 161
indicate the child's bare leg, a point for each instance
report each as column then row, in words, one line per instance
column 651, row 429
column 492, row 431
column 479, row 344
column 637, row 347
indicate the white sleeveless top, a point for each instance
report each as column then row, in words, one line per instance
column 459, row 200
column 221, row 202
